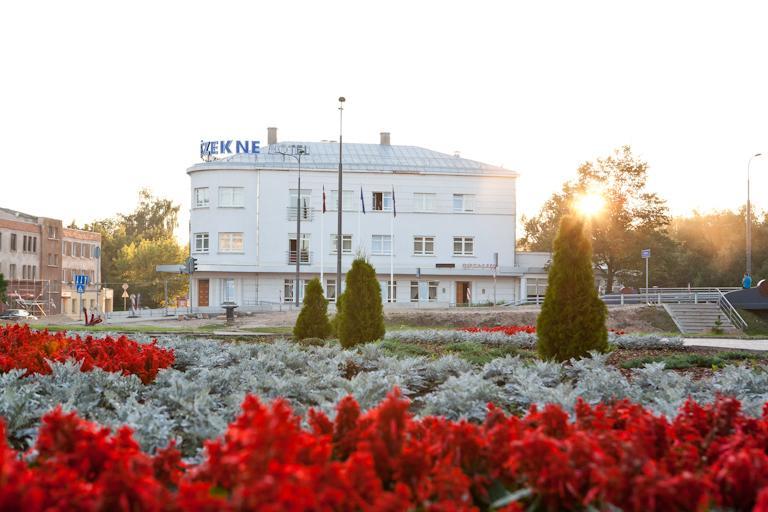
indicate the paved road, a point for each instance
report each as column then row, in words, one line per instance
column 729, row 343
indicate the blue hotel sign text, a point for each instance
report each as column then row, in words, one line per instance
column 209, row 149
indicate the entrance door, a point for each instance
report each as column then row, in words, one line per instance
column 203, row 287
column 462, row 292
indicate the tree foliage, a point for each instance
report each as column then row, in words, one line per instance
column 360, row 318
column 572, row 319
column 633, row 218
column 3, row 287
column 313, row 319
column 133, row 244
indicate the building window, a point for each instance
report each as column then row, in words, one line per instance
column 53, row 259
column 463, row 202
column 12, row 270
column 1, row 241
column 230, row 242
column 347, row 201
column 382, row 201
column 24, row 243
column 228, row 290
column 53, row 232
column 201, row 198
column 288, row 290
column 305, row 204
column 463, row 246
column 424, row 290
column 86, row 250
column 346, row 244
column 201, row 242
column 381, row 245
column 423, row 246
column 304, row 248
column 535, row 288
column 67, row 248
column 76, row 249
column 231, row 197
column 387, row 289
column 34, row 272
column 330, row 290
column 424, row 202
column 13, row 242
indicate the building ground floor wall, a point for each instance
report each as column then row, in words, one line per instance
column 255, row 291
column 95, row 301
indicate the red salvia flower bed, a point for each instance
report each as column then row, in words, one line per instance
column 618, row 455
column 21, row 347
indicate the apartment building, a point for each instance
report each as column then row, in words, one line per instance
column 443, row 225
column 39, row 258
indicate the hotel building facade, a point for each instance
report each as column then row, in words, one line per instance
column 451, row 242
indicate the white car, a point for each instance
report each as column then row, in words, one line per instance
column 17, row 314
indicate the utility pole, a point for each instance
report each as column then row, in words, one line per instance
column 340, row 195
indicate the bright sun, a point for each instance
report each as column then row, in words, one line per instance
column 589, row 204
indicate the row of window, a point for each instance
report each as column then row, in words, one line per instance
column 79, row 249
column 234, row 197
column 68, row 274
column 419, row 290
column 28, row 243
column 28, row 272
column 381, row 245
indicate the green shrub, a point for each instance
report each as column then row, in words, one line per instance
column 313, row 318
column 3, row 286
column 572, row 318
column 360, row 316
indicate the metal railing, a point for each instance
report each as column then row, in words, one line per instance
column 307, row 214
column 306, row 257
column 729, row 311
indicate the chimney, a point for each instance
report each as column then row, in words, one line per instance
column 384, row 138
column 271, row 135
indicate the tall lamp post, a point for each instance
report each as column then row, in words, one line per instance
column 749, row 217
column 296, row 151
column 340, row 195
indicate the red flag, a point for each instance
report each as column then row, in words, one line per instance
column 323, row 198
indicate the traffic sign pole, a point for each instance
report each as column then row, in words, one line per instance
column 646, row 255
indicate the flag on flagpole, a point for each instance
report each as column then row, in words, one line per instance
column 323, row 198
column 394, row 206
column 362, row 201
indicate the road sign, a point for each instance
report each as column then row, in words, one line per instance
column 80, row 288
column 125, row 286
column 645, row 253
column 81, row 281
column 125, row 294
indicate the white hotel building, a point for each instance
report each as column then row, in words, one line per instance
column 454, row 218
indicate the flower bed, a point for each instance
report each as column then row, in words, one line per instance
column 606, row 456
column 33, row 351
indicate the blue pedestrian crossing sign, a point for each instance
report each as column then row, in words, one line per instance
column 81, row 281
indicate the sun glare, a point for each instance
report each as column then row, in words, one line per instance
column 589, row 204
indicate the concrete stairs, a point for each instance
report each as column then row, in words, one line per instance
column 698, row 318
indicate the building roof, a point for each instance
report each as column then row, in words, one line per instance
column 20, row 216
column 357, row 157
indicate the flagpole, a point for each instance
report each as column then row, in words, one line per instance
column 359, row 239
column 392, row 258
column 322, row 249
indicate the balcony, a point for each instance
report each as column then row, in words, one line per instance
column 306, row 257
column 307, row 214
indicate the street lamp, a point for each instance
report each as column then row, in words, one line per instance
column 296, row 151
column 749, row 218
column 340, row 194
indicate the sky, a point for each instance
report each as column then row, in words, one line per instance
column 100, row 99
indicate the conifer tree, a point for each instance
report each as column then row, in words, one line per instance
column 361, row 315
column 572, row 319
column 3, row 286
column 313, row 319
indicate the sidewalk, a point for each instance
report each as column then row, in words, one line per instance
column 729, row 343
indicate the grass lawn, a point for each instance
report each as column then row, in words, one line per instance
column 475, row 353
column 680, row 361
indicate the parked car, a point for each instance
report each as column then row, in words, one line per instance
column 16, row 315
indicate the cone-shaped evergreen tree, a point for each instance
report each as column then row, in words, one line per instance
column 361, row 315
column 313, row 319
column 572, row 319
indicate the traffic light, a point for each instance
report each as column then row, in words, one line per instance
column 193, row 265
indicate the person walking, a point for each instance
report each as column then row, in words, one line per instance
column 746, row 281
